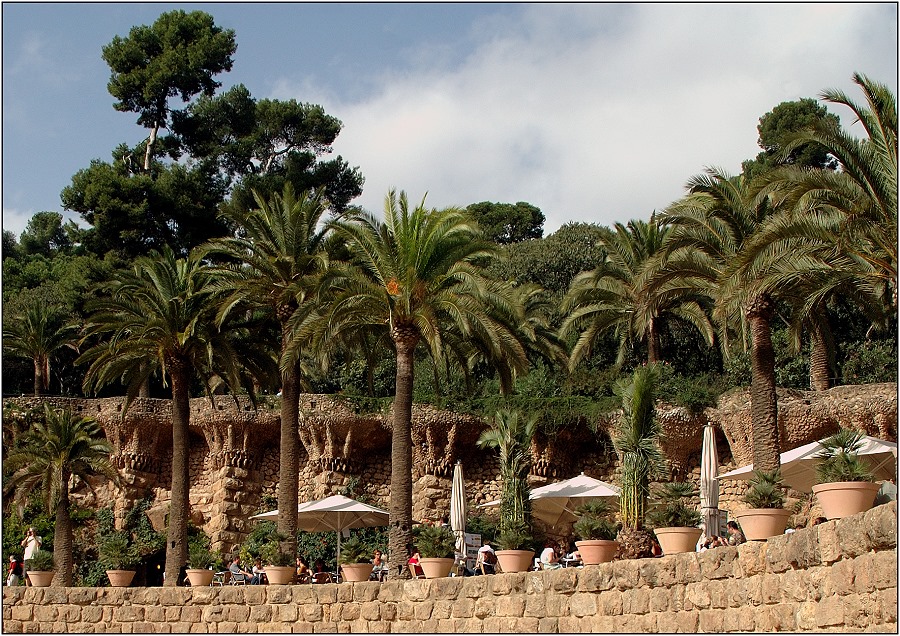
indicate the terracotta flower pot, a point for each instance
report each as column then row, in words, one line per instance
column 594, row 551
column 280, row 574
column 845, row 498
column 198, row 577
column 436, row 568
column 758, row 524
column 515, row 560
column 40, row 579
column 677, row 540
column 120, row 578
column 354, row 572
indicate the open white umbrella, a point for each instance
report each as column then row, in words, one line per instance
column 336, row 513
column 555, row 503
column 798, row 466
column 709, row 482
column 458, row 508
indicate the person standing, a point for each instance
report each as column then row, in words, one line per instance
column 15, row 571
column 32, row 543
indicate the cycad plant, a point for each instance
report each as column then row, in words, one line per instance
column 840, row 460
column 671, row 509
column 512, row 433
column 594, row 521
column 766, row 490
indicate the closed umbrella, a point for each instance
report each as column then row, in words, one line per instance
column 798, row 466
column 709, row 482
column 458, row 508
column 336, row 513
column 555, row 503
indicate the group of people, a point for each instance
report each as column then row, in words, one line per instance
column 734, row 537
column 31, row 544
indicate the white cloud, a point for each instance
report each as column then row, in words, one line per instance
column 602, row 112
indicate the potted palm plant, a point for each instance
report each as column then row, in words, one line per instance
column 120, row 557
column 846, row 486
column 200, row 565
column 673, row 521
column 597, row 532
column 355, row 564
column 436, row 546
column 40, row 568
column 280, row 569
column 511, row 434
column 766, row 516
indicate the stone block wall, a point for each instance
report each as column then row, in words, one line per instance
column 840, row 576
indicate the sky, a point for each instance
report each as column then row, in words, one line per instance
column 592, row 112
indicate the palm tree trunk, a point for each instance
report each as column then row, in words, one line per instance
column 40, row 381
column 176, row 548
column 819, row 368
column 289, row 462
column 400, row 526
column 62, row 537
column 653, row 347
column 763, row 399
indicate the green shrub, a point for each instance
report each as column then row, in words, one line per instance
column 272, row 554
column 354, row 551
column 41, row 561
column 594, row 523
column 117, row 552
column 766, row 490
column 436, row 542
column 839, row 460
column 515, row 536
column 669, row 508
column 869, row 362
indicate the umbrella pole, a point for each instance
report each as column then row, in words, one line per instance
column 337, row 559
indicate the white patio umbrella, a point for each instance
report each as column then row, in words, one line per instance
column 798, row 466
column 709, row 482
column 555, row 503
column 458, row 508
column 336, row 513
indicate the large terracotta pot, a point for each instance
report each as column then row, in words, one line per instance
column 436, row 568
column 845, row 498
column 280, row 574
column 354, row 572
column 758, row 524
column 515, row 560
column 198, row 577
column 120, row 578
column 40, row 579
column 676, row 540
column 594, row 551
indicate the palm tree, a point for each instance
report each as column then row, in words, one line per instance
column 281, row 256
column 55, row 450
column 412, row 276
column 512, row 433
column 162, row 315
column 616, row 295
column 859, row 200
column 37, row 334
column 711, row 226
column 636, row 440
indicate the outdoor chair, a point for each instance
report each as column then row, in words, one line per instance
column 322, row 577
column 221, row 578
column 238, row 579
column 412, row 569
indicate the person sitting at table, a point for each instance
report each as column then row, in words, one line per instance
column 414, row 561
column 379, row 567
column 486, row 563
column 302, row 569
column 549, row 560
column 320, row 574
column 238, row 573
column 257, row 572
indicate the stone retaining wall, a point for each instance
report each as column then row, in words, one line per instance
column 840, row 576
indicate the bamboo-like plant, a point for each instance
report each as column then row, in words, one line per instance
column 511, row 433
column 636, row 440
